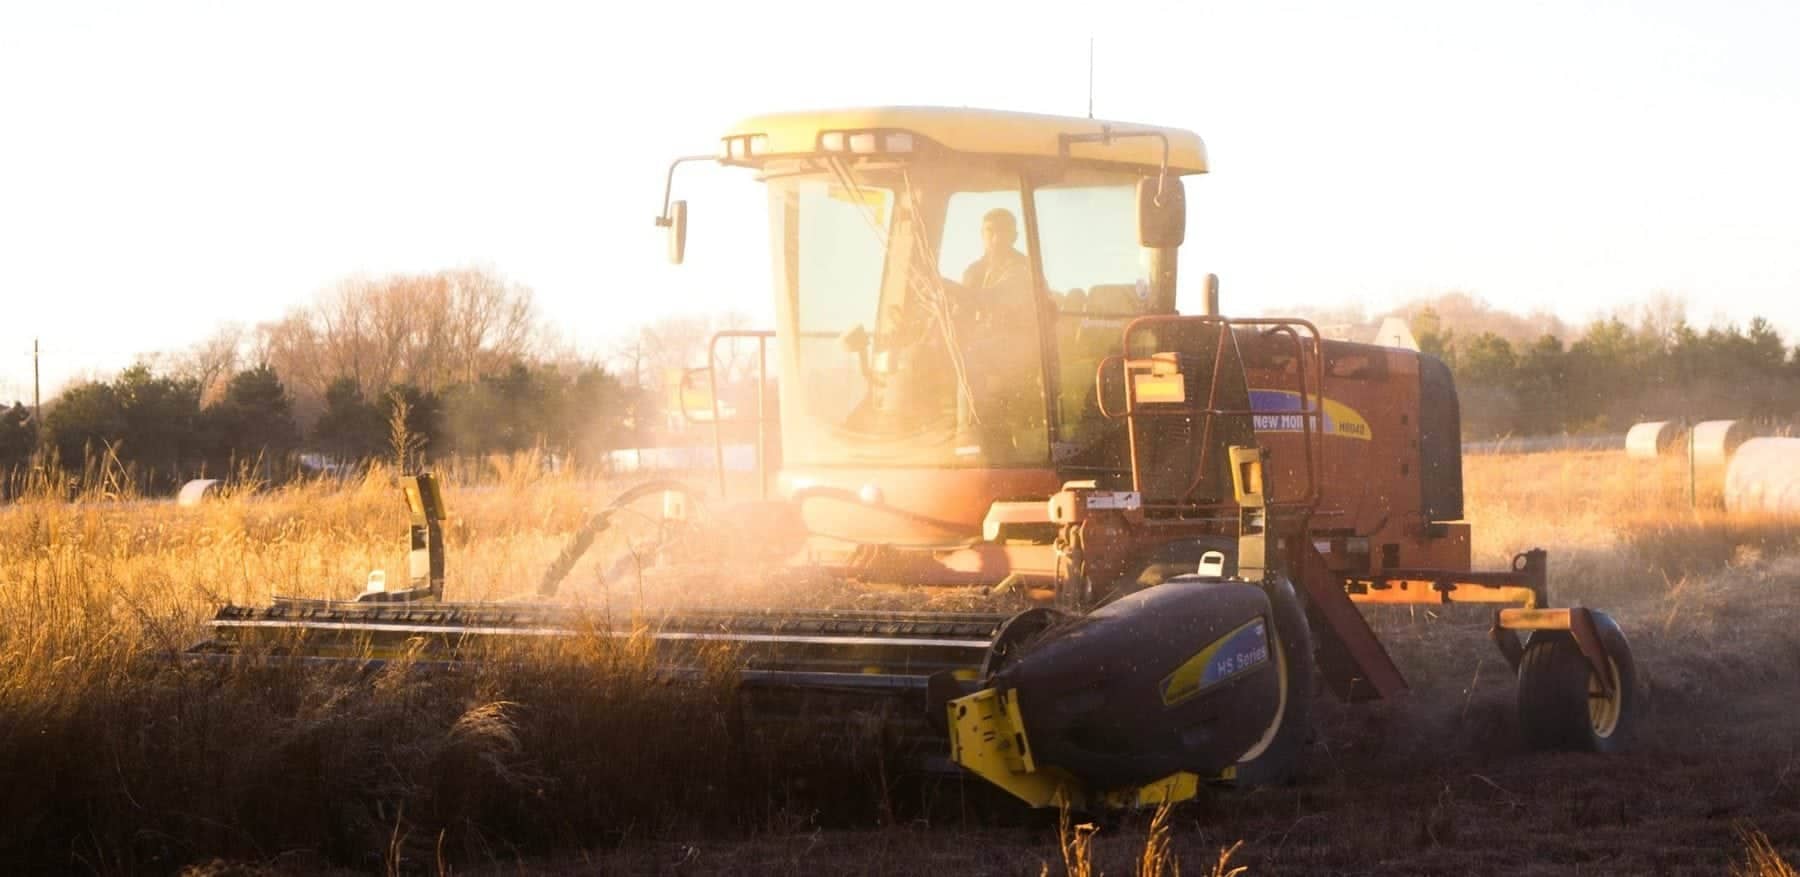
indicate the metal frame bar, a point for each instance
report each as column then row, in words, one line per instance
column 669, row 184
column 820, row 680
column 1105, row 137
column 1526, row 584
column 761, row 419
column 1349, row 650
column 980, row 645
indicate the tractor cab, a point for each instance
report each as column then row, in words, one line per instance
column 949, row 287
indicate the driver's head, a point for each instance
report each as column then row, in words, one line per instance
column 999, row 230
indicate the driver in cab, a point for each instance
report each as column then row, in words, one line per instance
column 996, row 293
column 1001, row 264
column 997, row 298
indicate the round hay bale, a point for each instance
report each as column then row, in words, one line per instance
column 1764, row 477
column 1715, row 440
column 1647, row 441
column 195, row 492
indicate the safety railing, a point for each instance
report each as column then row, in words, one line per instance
column 1310, row 398
column 759, row 421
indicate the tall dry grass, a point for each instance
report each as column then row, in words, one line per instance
column 120, row 760
column 1616, row 528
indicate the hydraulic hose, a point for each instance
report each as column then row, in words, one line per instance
column 584, row 537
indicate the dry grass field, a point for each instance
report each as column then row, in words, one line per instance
column 116, row 759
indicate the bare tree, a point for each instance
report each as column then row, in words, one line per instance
column 429, row 330
column 213, row 361
column 487, row 317
column 1658, row 316
column 667, row 345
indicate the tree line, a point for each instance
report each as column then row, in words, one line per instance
column 455, row 364
column 157, row 430
column 409, row 367
column 1613, row 373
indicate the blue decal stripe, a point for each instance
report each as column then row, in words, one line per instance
column 1245, row 649
column 1269, row 405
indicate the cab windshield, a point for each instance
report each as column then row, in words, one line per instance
column 923, row 326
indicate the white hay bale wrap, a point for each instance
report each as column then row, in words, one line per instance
column 196, row 491
column 1646, row 441
column 1764, row 476
column 1715, row 440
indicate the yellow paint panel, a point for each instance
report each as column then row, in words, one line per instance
column 1185, row 681
column 988, row 737
column 873, row 200
column 994, row 132
column 1159, row 389
column 1172, row 789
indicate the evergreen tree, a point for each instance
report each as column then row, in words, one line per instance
column 18, row 437
column 254, row 419
column 351, row 428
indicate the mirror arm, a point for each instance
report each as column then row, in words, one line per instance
column 1105, row 138
column 662, row 219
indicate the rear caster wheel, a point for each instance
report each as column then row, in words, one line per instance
column 1563, row 704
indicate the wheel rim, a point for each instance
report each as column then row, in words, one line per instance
column 1604, row 709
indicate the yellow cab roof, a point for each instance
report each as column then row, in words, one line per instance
column 994, row 132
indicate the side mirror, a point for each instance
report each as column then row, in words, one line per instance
column 1162, row 219
column 676, row 223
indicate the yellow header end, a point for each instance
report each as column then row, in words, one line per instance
column 424, row 497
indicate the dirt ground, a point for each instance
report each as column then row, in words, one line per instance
column 1436, row 782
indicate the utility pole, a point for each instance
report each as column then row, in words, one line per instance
column 37, row 400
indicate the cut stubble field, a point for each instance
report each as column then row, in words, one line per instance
column 118, row 759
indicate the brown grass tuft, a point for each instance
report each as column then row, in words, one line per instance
column 1761, row 859
column 1158, row 859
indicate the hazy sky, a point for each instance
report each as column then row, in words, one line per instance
column 165, row 167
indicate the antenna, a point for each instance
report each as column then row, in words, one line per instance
column 1090, row 77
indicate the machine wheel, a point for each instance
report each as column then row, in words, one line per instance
column 1562, row 704
column 1275, row 759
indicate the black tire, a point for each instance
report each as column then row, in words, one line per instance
column 1561, row 706
column 1279, row 760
